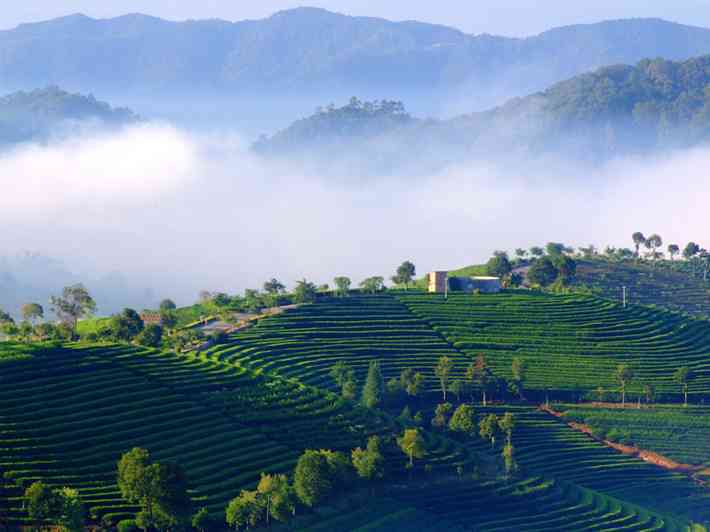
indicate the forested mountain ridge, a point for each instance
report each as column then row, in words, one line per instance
column 616, row 110
column 35, row 115
column 314, row 48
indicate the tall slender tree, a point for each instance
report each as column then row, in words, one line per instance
column 374, row 389
column 443, row 372
column 639, row 240
column 683, row 376
column 624, row 374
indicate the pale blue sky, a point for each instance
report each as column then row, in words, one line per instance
column 504, row 17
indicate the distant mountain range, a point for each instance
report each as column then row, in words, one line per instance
column 614, row 111
column 314, row 49
column 39, row 114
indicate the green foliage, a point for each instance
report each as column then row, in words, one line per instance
column 201, row 521
column 441, row 415
column 151, row 336
column 463, row 420
column 74, row 304
column 373, row 285
column 305, row 292
column 412, row 444
column 489, row 428
column 499, row 265
column 369, row 463
column 442, row 370
column 542, row 272
column 405, row 274
column 127, row 525
column 374, row 388
column 313, row 480
column 342, row 285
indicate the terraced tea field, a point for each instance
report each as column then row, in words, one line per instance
column 571, row 342
column 647, row 285
column 305, row 343
column 681, row 434
column 67, row 416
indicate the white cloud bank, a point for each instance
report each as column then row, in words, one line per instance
column 180, row 212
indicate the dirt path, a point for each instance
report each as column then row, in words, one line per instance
column 651, row 457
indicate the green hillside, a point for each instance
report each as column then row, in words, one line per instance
column 571, row 343
column 678, row 433
column 257, row 402
column 647, row 284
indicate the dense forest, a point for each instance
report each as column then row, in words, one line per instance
column 654, row 105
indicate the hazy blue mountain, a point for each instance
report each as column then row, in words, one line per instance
column 314, row 49
column 616, row 110
column 38, row 114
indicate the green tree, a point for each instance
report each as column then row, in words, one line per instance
column 488, row 428
column 463, row 420
column 509, row 459
column 458, row 387
column 74, row 303
column 673, row 250
column 542, row 272
column 405, row 273
column 273, row 287
column 411, row 382
column 271, row 487
column 566, row 267
column 126, row 325
column 442, row 370
column 624, row 374
column 42, row 502
column 412, row 444
column 32, row 312
column 71, row 510
column 342, row 285
column 519, row 371
column 341, row 372
column 639, row 240
column 245, row 510
column 168, row 319
column 479, row 374
column 654, row 242
column 499, row 265
column 202, row 521
column 369, row 463
column 349, row 389
column 441, row 415
column 374, row 388
column 683, row 376
column 312, row 478
column 151, row 336
column 690, row 250
column 373, row 285
column 554, row 249
column 166, row 305
column 305, row 292
column 506, row 425
column 537, row 251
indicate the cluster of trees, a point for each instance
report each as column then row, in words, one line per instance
column 159, row 489
column 625, row 375
column 62, row 507
column 547, row 266
column 74, row 304
column 319, row 475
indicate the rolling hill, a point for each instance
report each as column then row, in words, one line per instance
column 656, row 105
column 67, row 414
column 40, row 114
column 308, row 48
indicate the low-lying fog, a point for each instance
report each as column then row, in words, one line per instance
column 178, row 212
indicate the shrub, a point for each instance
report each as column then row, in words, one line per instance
column 127, row 525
